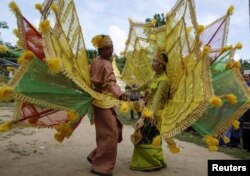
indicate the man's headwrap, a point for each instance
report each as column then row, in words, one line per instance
column 162, row 57
column 101, row 41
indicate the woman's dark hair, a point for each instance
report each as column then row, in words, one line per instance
column 165, row 57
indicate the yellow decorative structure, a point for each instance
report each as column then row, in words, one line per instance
column 179, row 38
column 227, row 81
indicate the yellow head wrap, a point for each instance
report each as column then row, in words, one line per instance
column 100, row 41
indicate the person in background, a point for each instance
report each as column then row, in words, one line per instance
column 245, row 120
column 108, row 127
column 134, row 96
column 247, row 78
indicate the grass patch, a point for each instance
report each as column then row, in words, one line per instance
column 125, row 118
column 7, row 105
column 197, row 139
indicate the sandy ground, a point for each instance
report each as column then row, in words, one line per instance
column 34, row 152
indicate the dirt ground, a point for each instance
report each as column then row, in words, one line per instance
column 34, row 152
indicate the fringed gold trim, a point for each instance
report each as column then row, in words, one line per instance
column 226, row 125
column 240, row 80
column 241, row 110
column 28, row 125
column 225, row 34
column 172, row 145
column 21, row 33
column 17, row 111
column 42, row 103
column 190, row 119
column 46, row 8
column 200, row 109
column 14, row 8
column 19, row 73
column 15, row 122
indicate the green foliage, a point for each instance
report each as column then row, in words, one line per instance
column 8, row 57
column 160, row 19
column 4, row 25
column 245, row 64
column 193, row 137
column 91, row 54
column 120, row 62
column 11, row 55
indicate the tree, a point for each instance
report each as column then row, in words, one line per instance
column 3, row 25
column 120, row 62
column 245, row 64
column 160, row 19
column 91, row 54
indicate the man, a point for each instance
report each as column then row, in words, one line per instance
column 108, row 128
column 134, row 96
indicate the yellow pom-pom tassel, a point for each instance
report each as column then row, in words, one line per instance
column 3, row 49
column 96, row 40
column 211, row 141
column 147, row 113
column 172, row 145
column 65, row 129
column 213, row 148
column 157, row 140
column 216, row 101
column 238, row 46
column 28, row 55
column 229, row 64
column 174, row 149
column 54, row 8
column 236, row 124
column 59, row 137
column 54, row 65
column 226, row 48
column 206, row 50
column 44, row 25
column 230, row 10
column 15, row 32
column 38, row 6
column 13, row 7
column 200, row 29
column 20, row 60
column 231, row 98
column 72, row 115
column 236, row 64
column 225, row 139
column 5, row 93
column 6, row 126
column 124, row 108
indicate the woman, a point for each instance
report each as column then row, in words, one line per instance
column 146, row 155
